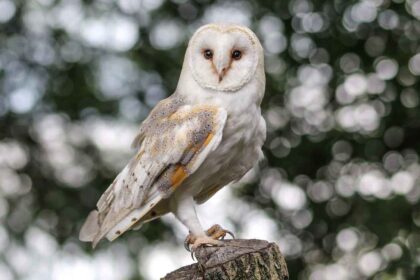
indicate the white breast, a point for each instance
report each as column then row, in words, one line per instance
column 243, row 136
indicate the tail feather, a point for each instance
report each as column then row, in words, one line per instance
column 93, row 231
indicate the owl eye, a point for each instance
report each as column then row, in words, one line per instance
column 236, row 54
column 208, row 54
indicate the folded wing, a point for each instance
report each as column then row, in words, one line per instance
column 172, row 143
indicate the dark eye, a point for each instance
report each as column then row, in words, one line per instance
column 208, row 54
column 236, row 54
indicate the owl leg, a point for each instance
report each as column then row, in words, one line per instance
column 185, row 212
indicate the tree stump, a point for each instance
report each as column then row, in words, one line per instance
column 236, row 259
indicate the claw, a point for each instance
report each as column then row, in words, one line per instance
column 230, row 233
column 187, row 246
column 190, row 239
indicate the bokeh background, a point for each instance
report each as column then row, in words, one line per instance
column 339, row 188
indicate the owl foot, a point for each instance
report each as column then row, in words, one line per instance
column 205, row 241
column 196, row 242
column 218, row 233
column 213, row 236
column 192, row 242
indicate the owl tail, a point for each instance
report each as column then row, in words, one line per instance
column 90, row 228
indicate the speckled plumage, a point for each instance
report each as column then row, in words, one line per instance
column 206, row 135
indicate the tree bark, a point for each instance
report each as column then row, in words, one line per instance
column 236, row 259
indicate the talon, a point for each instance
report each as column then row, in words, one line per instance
column 189, row 240
column 187, row 246
column 230, row 233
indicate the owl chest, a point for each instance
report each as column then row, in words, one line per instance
column 241, row 136
column 239, row 149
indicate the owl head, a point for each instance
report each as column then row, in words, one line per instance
column 224, row 57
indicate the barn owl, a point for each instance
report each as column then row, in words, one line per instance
column 207, row 134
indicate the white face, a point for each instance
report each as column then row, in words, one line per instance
column 223, row 59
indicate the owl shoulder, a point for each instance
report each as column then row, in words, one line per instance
column 164, row 109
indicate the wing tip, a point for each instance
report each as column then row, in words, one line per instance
column 90, row 228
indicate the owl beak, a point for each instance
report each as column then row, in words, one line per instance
column 221, row 69
column 221, row 74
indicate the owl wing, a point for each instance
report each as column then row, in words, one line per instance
column 171, row 146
